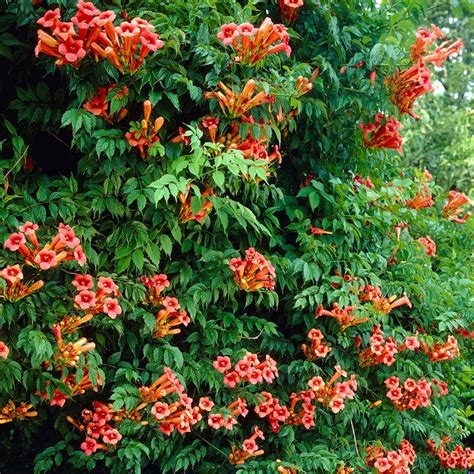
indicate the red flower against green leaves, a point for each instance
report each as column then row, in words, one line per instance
column 143, row 135
column 425, row 39
column 382, row 350
column 254, row 272
column 4, row 350
column 317, row 348
column 99, row 105
column 429, row 245
column 11, row 411
column 249, row 448
column 411, row 394
column 251, row 148
column 381, row 303
column 236, row 104
column 248, row 369
column 383, row 133
column 439, row 351
column 457, row 458
column 421, row 200
column 251, row 44
column 186, row 213
column 91, row 31
column 228, row 421
column 64, row 246
column 99, row 301
column 367, row 182
column 170, row 315
column 75, row 387
column 408, row 85
column 15, row 289
column 452, row 208
column 289, row 9
column 345, row 317
column 391, row 462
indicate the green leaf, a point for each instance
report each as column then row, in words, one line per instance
column 219, row 178
column 138, row 258
column 166, row 244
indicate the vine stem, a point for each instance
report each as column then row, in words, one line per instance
column 355, row 439
column 210, row 444
column 16, row 162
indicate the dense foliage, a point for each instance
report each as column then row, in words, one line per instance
column 214, row 259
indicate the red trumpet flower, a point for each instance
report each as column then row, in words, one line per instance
column 254, row 272
column 383, row 133
column 252, row 44
column 143, row 134
column 345, row 317
column 452, row 208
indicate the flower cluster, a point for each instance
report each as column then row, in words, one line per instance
column 155, row 285
column 248, row 369
column 383, row 133
column 14, row 288
column 345, row 317
column 248, row 450
column 415, row 81
column 457, row 458
column 452, row 208
column 381, row 303
column 20, row 412
column 429, row 245
column 98, row 424
column 332, row 394
column 303, row 404
column 218, row 420
column 439, row 352
column 186, row 214
column 143, row 134
column 92, row 31
column 382, row 350
column 98, row 301
column 289, row 9
column 99, row 105
column 303, row 85
column 170, row 315
column 252, row 44
column 237, row 104
column 269, row 407
column 68, row 353
column 408, row 85
column 253, row 272
column 65, row 246
column 179, row 414
column 367, row 182
column 391, row 462
column 411, row 394
column 318, row 348
column 421, row 200
column 425, row 38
